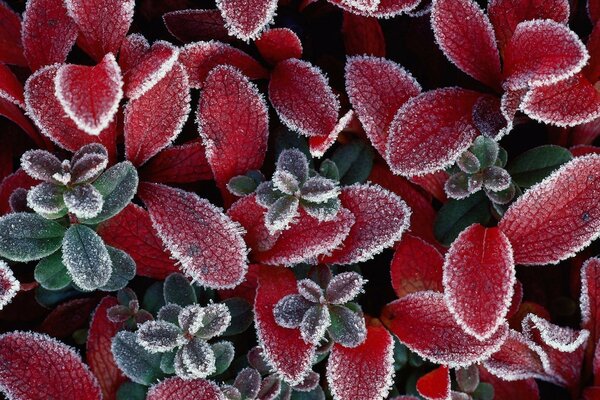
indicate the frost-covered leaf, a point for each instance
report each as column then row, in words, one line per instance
column 170, row 313
column 467, row 379
column 344, row 287
column 556, row 217
column 385, row 9
column 251, row 216
column 224, row 353
column 435, row 385
column 90, row 96
column 48, row 33
column 590, row 298
column 270, row 388
column 301, row 95
column 314, row 324
column 424, row 324
column 26, row 236
column 542, row 52
column 133, row 48
column 248, row 382
column 518, row 390
column 180, row 389
column 198, row 359
column 245, row 19
column 233, row 123
column 215, row 320
column 40, row 164
column 279, row 44
column 177, row 289
column 88, row 161
column 319, row 190
column 9, row 286
column 36, row 366
column 86, row 257
column 46, row 199
column 430, row 131
column 200, row 58
column 156, row 118
column 178, row 164
column 364, row 372
column 193, row 25
column 496, row 179
column 84, row 201
column 11, row 47
column 478, row 277
column 377, row 88
column 11, row 88
column 189, row 318
column 281, row 213
column 135, row 361
column 310, row 290
column 51, row 273
column 123, row 270
column 381, row 218
column 283, row 348
column 102, row 24
column 534, row 165
column 208, row 243
column 294, row 162
column 159, row 336
column 290, row 310
column 347, row 326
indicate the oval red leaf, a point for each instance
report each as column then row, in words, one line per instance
column 179, row 389
column 245, row 19
column 279, row 44
column 150, row 68
column 435, row 385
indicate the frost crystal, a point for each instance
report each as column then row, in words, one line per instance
column 159, row 336
column 84, row 201
column 344, row 287
column 9, row 286
column 189, row 318
column 40, row 164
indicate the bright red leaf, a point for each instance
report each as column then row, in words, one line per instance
column 196, row 25
column 435, row 385
column 362, row 36
column 150, row 68
column 245, row 19
column 556, row 218
column 433, row 183
column 179, row 389
column 11, row 48
column 279, row 44
column 178, row 164
column 133, row 49
column 318, row 145
column 251, row 216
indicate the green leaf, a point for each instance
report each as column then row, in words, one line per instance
column 224, row 353
column 456, row 215
column 117, row 185
column 27, row 237
column 52, row 298
column 315, row 394
column 534, row 165
column 137, row 363
column 354, row 161
column 241, row 315
column 178, row 290
column 153, row 298
column 328, row 169
column 484, row 391
column 86, row 257
column 123, row 270
column 400, row 354
column 131, row 391
column 51, row 273
column 486, row 150
column 241, row 185
column 167, row 362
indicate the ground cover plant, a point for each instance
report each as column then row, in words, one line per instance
column 299, row 199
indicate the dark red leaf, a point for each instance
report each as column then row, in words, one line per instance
column 593, row 9
column 362, row 36
column 150, row 68
column 10, row 87
column 385, row 9
column 279, row 44
column 433, row 183
column 9, row 110
column 9, row 286
column 178, row 164
column 133, row 49
column 11, row 48
column 68, row 317
column 196, row 25
column 19, row 179
column 245, row 19
column 516, row 390
column 590, row 298
column 435, row 385
column 179, row 389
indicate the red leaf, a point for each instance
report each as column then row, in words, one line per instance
column 518, row 390
column 284, row 349
column 431, row 130
column 318, row 145
column 90, row 96
column 9, row 110
column 131, row 231
column 516, row 301
column 570, row 102
column 247, row 289
column 590, row 298
column 381, row 218
column 556, row 218
column 364, row 372
column 301, row 95
column 133, row 49
column 179, row 389
column 10, row 87
column 48, row 33
column 279, row 44
column 19, row 179
column 9, row 286
column 542, row 52
column 251, row 216
column 479, row 276
column 102, row 24
column 245, row 19
column 199, row 58
column 377, row 88
column 68, row 317
column 584, row 150
column 155, row 119
column 233, row 121
column 46, row 112
column 507, row 14
column 205, row 241
column 178, row 164
column 37, row 367
column 433, row 183
column 511, row 102
column 196, row 25
column 466, row 36
column 362, row 36
column 150, row 68
column 593, row 9
column 435, row 385
column 423, row 323
column 416, row 266
column 98, row 350
column 385, row 9
column 11, row 48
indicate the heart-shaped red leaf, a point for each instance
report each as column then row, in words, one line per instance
column 435, row 385
column 180, row 389
column 178, row 164
column 377, row 88
column 98, row 350
column 381, row 218
column 423, row 323
column 364, row 372
column 11, row 48
column 362, row 35
column 155, row 119
column 205, row 241
column 195, row 25
column 279, row 44
column 284, row 349
column 301, row 95
column 90, row 96
column 431, row 130
column 556, row 218
column 245, row 19
column 465, row 35
column 37, row 367
column 48, row 33
column 102, row 24
column 150, row 68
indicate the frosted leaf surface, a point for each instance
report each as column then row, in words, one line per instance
column 430, row 131
column 424, row 324
column 245, row 19
column 11, row 47
column 347, row 326
column 318, row 145
column 155, row 119
column 180, row 389
column 86, row 257
column 133, row 49
column 344, row 287
column 281, row 214
column 285, row 182
column 200, row 236
column 248, row 213
column 385, row 9
column 150, row 68
column 381, row 218
column 189, row 318
column 590, row 297
column 9, row 285
column 557, row 217
column 377, row 88
column 301, row 95
column 314, row 324
column 123, row 270
column 198, row 358
column 290, row 310
column 310, row 290
column 28, row 236
column 478, row 277
column 248, row 382
column 319, row 190
column 88, row 167
column 294, row 162
column 279, row 44
column 46, row 199
column 178, row 164
column 84, row 201
column 435, row 385
column 171, row 313
column 365, row 372
column 215, row 321
column 11, row 88
column 40, row 164
column 559, row 338
column 159, row 336
column 496, row 179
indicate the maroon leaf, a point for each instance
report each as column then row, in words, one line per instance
column 526, row 389
column 364, row 372
column 9, row 286
column 18, row 179
column 37, row 367
column 205, row 241
column 11, row 48
column 435, row 385
column 179, row 389
column 279, row 44
column 196, row 25
column 559, row 216
column 68, row 317
column 590, row 298
column 178, row 164
column 133, row 49
column 10, row 87
column 245, row 19
column 385, row 9
column 150, row 68
column 155, row 119
column 362, row 36
column 284, row 350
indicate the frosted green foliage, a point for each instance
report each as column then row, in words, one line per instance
column 86, row 257
column 178, row 290
column 195, row 359
column 169, row 312
column 347, row 327
column 159, row 336
column 84, row 201
column 215, row 320
column 123, row 270
column 243, row 185
column 51, row 273
column 27, row 237
column 314, row 324
column 46, row 199
column 191, row 318
column 295, row 162
column 344, row 287
column 224, row 353
column 134, row 361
